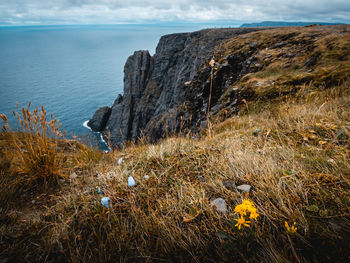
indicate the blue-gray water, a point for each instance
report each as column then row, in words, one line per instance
column 71, row 70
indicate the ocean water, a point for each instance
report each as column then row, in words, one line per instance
column 71, row 70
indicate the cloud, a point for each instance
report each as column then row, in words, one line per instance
column 138, row 11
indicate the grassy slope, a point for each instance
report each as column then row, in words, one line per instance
column 293, row 150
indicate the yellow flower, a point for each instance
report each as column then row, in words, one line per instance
column 247, row 202
column 253, row 215
column 240, row 209
column 242, row 222
column 246, row 207
column 290, row 229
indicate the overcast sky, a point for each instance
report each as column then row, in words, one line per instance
column 149, row 11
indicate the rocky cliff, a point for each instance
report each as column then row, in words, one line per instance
column 169, row 91
column 154, row 86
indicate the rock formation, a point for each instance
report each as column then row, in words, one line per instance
column 99, row 120
column 169, row 92
column 154, row 87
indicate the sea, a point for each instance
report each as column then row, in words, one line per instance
column 71, row 70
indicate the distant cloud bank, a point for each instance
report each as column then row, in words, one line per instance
column 26, row 12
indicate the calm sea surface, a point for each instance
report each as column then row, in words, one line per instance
column 71, row 70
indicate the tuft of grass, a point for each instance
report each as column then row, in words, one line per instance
column 37, row 157
column 32, row 151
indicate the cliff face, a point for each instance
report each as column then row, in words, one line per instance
column 169, row 92
column 155, row 86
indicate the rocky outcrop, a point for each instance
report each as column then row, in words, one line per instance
column 154, row 87
column 125, row 121
column 99, row 120
column 169, row 92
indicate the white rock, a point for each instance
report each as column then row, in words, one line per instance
column 244, row 187
column 131, row 181
column 331, row 161
column 73, row 176
column 120, row 161
column 220, row 205
column 105, row 201
column 146, row 177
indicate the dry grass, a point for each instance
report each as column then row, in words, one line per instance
column 287, row 59
column 293, row 152
column 36, row 157
column 290, row 142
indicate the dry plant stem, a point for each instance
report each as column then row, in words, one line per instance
column 293, row 249
column 209, row 99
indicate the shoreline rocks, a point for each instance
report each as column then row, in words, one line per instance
column 98, row 122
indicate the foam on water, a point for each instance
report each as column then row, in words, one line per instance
column 101, row 136
column 86, row 126
column 102, row 140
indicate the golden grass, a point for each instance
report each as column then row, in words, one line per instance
column 288, row 59
column 36, row 156
column 294, row 152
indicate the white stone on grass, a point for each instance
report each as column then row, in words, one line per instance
column 244, row 187
column 105, row 201
column 131, row 181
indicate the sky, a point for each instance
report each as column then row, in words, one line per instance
column 54, row 12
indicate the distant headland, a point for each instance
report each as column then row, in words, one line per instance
column 282, row 23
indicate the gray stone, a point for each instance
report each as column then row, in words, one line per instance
column 244, row 187
column 257, row 131
column 201, row 178
column 229, row 184
column 253, row 44
column 73, row 176
column 220, row 205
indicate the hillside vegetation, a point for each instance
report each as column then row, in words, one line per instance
column 291, row 146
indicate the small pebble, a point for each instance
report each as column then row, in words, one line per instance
column 244, row 187
column 131, row 181
column 105, row 201
column 229, row 184
column 220, row 205
column 73, row 176
column 257, row 131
